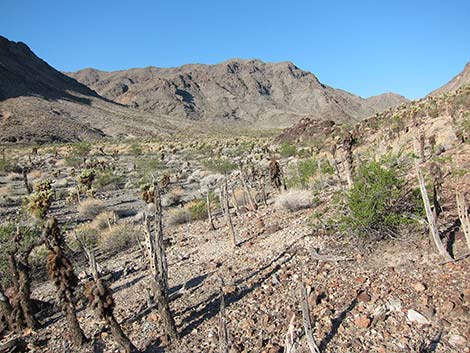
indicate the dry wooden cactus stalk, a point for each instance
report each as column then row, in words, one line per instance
column 158, row 266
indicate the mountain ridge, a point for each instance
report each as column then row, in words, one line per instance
column 262, row 93
column 40, row 104
column 461, row 79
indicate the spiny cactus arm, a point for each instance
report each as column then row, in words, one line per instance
column 6, row 309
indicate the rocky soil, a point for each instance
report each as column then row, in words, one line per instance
column 393, row 296
column 398, row 297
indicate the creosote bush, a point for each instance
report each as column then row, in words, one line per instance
column 197, row 209
column 378, row 202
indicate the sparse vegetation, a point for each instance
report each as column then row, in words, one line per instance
column 197, row 209
column 109, row 180
column 382, row 202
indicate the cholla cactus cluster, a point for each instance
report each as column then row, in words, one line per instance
column 39, row 202
column 62, row 275
column 85, row 180
column 147, row 192
column 100, row 298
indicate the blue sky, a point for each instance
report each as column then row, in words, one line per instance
column 365, row 47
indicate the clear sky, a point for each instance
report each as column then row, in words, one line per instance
column 366, row 47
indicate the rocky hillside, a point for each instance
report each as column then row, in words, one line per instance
column 463, row 78
column 451, row 109
column 263, row 94
column 40, row 104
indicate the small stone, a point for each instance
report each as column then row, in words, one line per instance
column 459, row 311
column 419, row 287
column 448, row 306
column 363, row 297
column 229, row 290
column 458, row 341
column 362, row 321
column 153, row 317
column 164, row 340
column 360, row 280
column 275, row 349
column 429, row 311
column 414, row 316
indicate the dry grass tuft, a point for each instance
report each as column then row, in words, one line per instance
column 90, row 208
column 178, row 216
column 118, row 237
column 294, row 200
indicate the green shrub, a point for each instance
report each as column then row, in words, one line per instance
column 135, row 149
column 73, row 161
column 378, row 202
column 465, row 124
column 109, row 181
column 222, row 166
column 3, row 165
column 146, row 167
column 326, row 167
column 198, row 210
column 287, row 150
column 302, row 173
column 81, row 149
column 307, row 170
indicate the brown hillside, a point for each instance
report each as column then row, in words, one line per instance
column 263, row 94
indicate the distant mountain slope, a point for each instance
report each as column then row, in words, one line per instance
column 40, row 104
column 24, row 74
column 262, row 94
column 462, row 79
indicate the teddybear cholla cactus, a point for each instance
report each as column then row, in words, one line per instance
column 100, row 298
column 147, row 192
column 61, row 273
column 39, row 202
column 85, row 182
